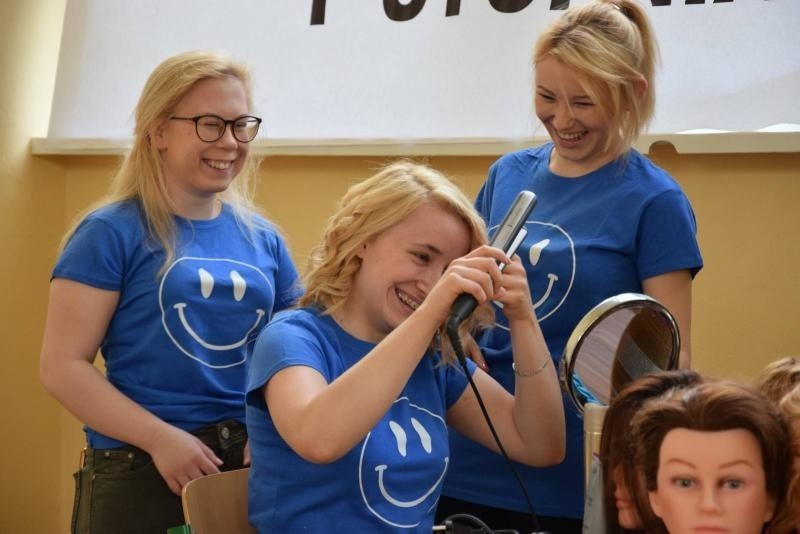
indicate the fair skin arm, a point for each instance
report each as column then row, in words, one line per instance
column 530, row 423
column 674, row 291
column 322, row 422
column 78, row 316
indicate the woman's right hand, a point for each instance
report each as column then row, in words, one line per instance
column 77, row 320
column 181, row 457
column 477, row 274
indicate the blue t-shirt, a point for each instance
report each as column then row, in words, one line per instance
column 178, row 340
column 389, row 482
column 588, row 238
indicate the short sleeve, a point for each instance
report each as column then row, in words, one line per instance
column 283, row 343
column 287, row 283
column 456, row 381
column 667, row 238
column 94, row 255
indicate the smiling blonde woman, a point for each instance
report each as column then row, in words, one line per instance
column 145, row 276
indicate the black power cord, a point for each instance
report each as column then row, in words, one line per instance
column 451, row 527
column 451, row 328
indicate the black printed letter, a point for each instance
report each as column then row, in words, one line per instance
column 401, row 13
column 453, row 8
column 317, row 12
column 509, row 6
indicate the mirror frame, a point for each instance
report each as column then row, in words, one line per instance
column 592, row 318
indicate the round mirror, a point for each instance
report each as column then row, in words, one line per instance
column 619, row 340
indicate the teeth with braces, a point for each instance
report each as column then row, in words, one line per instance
column 407, row 300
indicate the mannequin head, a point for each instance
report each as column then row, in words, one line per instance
column 624, row 499
column 714, row 455
column 780, row 382
column 779, row 378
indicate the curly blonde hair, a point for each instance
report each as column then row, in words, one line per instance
column 371, row 207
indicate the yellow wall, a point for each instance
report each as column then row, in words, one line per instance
column 31, row 219
column 745, row 300
column 747, row 296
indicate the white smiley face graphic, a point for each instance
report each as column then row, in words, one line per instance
column 211, row 308
column 548, row 255
column 402, row 465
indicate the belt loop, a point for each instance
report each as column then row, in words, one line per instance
column 82, row 461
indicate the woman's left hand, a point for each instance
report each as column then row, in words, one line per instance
column 516, row 295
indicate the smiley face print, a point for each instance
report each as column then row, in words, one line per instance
column 213, row 308
column 548, row 255
column 402, row 464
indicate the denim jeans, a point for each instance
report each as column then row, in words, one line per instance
column 120, row 491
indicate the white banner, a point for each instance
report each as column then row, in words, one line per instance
column 389, row 70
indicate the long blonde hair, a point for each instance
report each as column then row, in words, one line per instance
column 368, row 209
column 140, row 176
column 612, row 44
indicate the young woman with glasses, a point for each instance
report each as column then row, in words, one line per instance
column 171, row 276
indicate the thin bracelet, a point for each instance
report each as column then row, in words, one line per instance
column 535, row 372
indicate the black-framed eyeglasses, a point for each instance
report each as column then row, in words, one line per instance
column 211, row 128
